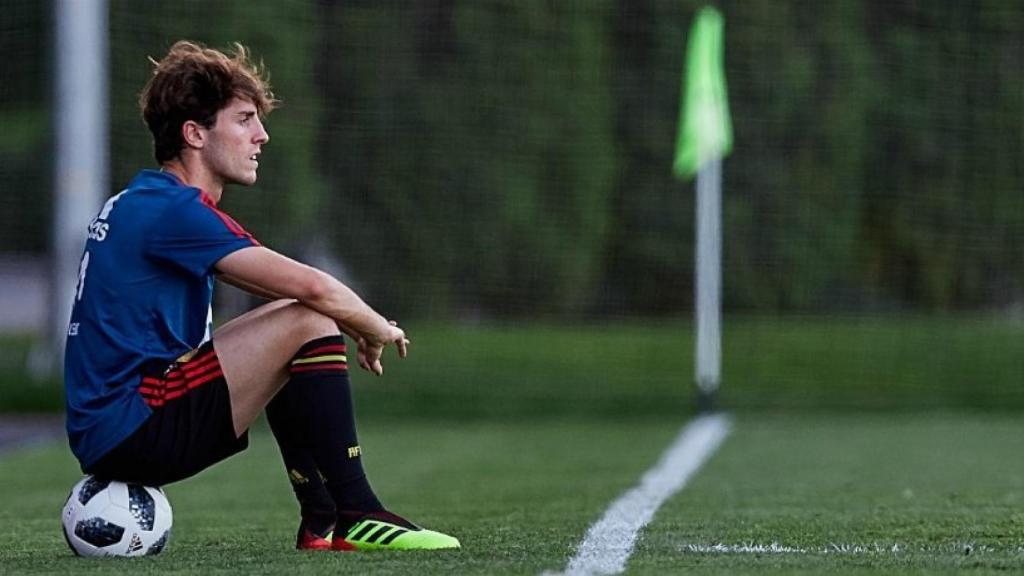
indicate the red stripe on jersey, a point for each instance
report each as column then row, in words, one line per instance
column 234, row 227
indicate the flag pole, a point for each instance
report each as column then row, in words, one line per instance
column 705, row 137
column 708, row 270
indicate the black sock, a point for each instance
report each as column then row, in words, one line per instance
column 321, row 399
column 315, row 503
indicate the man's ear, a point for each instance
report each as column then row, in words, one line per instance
column 193, row 134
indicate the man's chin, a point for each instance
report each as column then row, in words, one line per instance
column 245, row 180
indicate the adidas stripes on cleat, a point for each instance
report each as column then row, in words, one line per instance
column 387, row 531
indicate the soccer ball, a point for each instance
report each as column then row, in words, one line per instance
column 109, row 518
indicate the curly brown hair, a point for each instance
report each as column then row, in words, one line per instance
column 193, row 82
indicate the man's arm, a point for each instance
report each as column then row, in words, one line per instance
column 262, row 293
column 250, row 288
column 361, row 343
column 263, row 271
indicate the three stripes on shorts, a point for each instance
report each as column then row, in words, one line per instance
column 181, row 377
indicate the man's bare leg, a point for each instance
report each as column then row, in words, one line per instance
column 315, row 424
column 311, row 415
column 256, row 348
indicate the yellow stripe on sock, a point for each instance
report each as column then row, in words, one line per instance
column 333, row 358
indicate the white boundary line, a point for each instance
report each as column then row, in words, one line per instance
column 609, row 543
column 963, row 548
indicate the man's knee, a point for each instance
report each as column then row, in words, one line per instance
column 311, row 323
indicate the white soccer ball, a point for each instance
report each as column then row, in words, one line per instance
column 109, row 518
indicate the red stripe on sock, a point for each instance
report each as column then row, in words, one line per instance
column 319, row 366
column 320, row 350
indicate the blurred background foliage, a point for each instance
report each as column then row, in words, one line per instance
column 497, row 159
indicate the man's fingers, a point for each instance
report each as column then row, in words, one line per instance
column 371, row 356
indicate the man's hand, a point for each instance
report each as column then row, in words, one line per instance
column 369, row 353
column 265, row 272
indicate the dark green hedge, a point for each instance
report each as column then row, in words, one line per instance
column 512, row 158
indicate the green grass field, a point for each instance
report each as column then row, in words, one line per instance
column 860, row 446
column 925, row 494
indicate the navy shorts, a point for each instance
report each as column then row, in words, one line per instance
column 190, row 427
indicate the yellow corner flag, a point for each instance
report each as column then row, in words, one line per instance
column 705, row 130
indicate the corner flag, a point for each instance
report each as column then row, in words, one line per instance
column 705, row 130
column 705, row 136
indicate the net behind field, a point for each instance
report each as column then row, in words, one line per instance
column 497, row 177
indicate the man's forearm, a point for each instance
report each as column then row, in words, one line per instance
column 265, row 272
column 338, row 301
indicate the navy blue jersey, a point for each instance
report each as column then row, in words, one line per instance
column 145, row 286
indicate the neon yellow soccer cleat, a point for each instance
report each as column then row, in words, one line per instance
column 387, row 531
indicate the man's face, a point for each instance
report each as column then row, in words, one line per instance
column 234, row 143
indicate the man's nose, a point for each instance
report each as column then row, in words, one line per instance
column 262, row 136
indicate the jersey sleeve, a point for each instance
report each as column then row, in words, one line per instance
column 194, row 235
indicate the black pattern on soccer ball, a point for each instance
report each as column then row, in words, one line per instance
column 98, row 532
column 141, row 505
column 158, row 546
column 90, row 488
column 64, row 531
